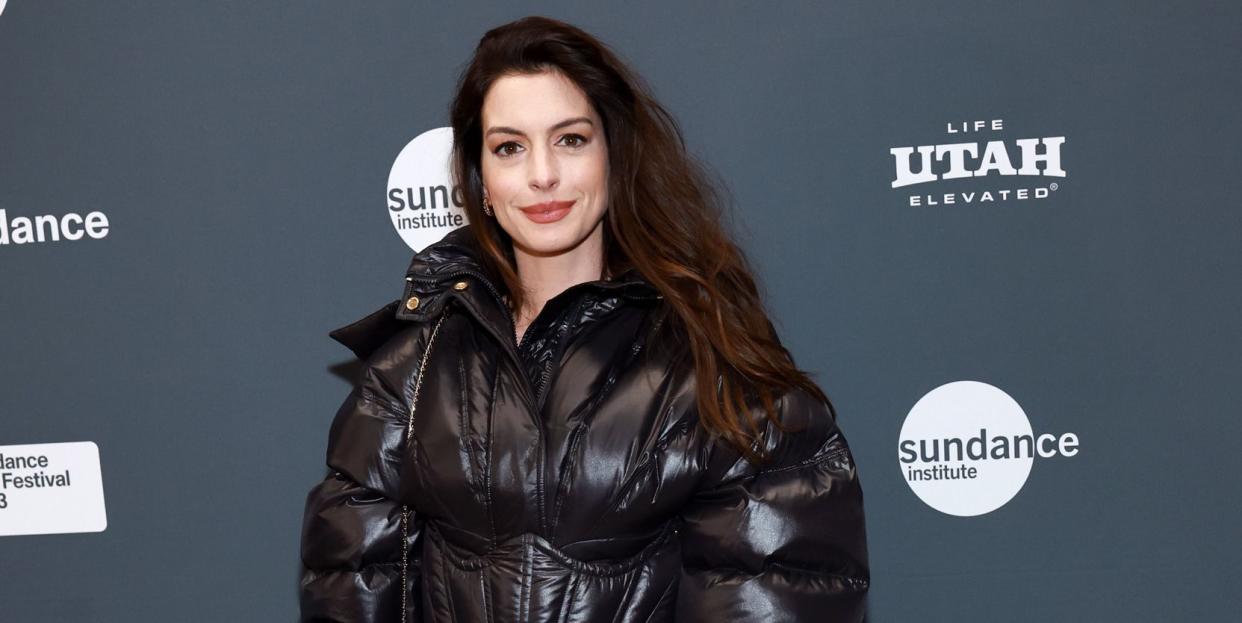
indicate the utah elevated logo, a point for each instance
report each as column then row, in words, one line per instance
column 1037, row 157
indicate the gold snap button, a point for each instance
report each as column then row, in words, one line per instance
column 460, row 285
column 411, row 303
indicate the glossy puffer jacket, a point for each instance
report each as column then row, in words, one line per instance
column 565, row 479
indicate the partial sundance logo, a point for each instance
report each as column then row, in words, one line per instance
column 967, row 448
column 423, row 203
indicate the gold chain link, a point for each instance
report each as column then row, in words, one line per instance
column 409, row 432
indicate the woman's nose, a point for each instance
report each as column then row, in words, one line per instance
column 542, row 170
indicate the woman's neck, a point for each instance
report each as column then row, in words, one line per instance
column 545, row 276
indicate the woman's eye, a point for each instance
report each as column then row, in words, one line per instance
column 501, row 149
column 509, row 148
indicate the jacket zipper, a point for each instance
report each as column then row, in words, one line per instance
column 513, row 347
column 576, row 435
column 412, row 449
column 553, row 363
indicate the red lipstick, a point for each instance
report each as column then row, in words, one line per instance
column 548, row 212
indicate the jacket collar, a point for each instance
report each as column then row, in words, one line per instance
column 453, row 268
column 436, row 275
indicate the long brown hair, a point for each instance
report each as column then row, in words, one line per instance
column 663, row 218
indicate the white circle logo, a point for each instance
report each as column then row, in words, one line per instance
column 966, row 448
column 423, row 203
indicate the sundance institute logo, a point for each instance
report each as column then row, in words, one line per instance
column 966, row 448
column 1035, row 157
column 422, row 201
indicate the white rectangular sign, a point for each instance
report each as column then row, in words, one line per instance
column 51, row 488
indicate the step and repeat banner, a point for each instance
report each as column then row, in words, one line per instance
column 1003, row 236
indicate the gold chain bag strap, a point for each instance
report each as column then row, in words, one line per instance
column 409, row 434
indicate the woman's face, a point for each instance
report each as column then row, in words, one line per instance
column 544, row 163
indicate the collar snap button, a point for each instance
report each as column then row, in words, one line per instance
column 411, row 303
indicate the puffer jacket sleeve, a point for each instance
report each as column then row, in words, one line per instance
column 782, row 542
column 352, row 545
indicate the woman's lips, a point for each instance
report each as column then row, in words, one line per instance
column 549, row 212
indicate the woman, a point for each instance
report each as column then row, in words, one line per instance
column 532, row 439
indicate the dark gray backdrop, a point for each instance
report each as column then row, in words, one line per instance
column 239, row 150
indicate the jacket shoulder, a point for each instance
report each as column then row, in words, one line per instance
column 814, row 433
column 808, row 433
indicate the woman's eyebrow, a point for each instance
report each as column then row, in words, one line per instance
column 500, row 129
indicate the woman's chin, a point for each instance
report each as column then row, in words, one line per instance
column 544, row 245
column 548, row 239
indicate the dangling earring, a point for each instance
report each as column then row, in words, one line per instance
column 487, row 207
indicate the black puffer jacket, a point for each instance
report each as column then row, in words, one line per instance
column 566, row 479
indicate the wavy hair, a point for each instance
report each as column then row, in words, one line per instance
column 663, row 218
